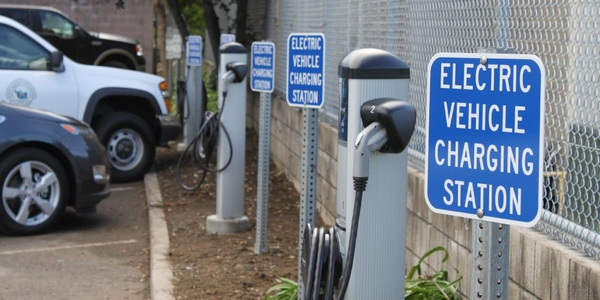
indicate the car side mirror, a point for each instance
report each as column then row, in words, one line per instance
column 56, row 61
column 78, row 32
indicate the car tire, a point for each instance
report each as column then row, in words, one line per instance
column 129, row 143
column 116, row 64
column 36, row 179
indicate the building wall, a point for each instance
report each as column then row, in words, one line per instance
column 135, row 21
column 540, row 267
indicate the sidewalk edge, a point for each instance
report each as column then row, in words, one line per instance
column 161, row 272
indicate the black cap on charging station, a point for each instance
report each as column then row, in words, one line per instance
column 233, row 48
column 373, row 64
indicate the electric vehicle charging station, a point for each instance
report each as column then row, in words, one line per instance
column 377, row 122
column 368, row 74
column 231, row 158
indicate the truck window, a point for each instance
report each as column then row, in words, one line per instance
column 57, row 25
column 19, row 15
column 19, row 52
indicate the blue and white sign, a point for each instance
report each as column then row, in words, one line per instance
column 226, row 38
column 194, row 51
column 485, row 132
column 306, row 70
column 262, row 75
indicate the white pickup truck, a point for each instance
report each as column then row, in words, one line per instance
column 128, row 110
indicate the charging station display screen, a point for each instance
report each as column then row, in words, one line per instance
column 343, row 116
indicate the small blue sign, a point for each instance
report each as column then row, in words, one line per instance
column 485, row 132
column 262, row 75
column 306, row 70
column 226, row 38
column 194, row 51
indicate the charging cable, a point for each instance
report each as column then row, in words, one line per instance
column 203, row 146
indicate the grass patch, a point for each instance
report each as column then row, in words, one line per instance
column 286, row 289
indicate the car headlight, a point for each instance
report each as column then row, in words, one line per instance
column 138, row 50
column 77, row 130
column 164, row 90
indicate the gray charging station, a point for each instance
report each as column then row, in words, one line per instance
column 368, row 74
column 230, row 181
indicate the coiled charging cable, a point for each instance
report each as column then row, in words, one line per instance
column 202, row 155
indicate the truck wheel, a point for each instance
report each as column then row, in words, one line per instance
column 129, row 143
column 115, row 64
column 34, row 190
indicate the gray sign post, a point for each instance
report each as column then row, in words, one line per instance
column 308, row 194
column 306, row 59
column 489, row 278
column 193, row 113
column 262, row 79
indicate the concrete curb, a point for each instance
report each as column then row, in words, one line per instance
column 161, row 273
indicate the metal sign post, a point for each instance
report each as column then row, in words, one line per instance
column 489, row 279
column 173, row 41
column 306, row 89
column 262, row 76
column 194, row 88
column 484, row 152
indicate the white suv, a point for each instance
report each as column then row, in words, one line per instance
column 127, row 109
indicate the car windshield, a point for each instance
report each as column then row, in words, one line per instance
column 21, row 53
column 55, row 24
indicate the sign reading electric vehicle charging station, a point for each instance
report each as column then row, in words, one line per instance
column 485, row 133
column 262, row 75
column 194, row 51
column 306, row 70
column 226, row 38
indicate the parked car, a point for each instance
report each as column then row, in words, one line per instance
column 127, row 109
column 80, row 45
column 47, row 162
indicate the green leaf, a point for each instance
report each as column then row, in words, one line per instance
column 287, row 289
column 432, row 288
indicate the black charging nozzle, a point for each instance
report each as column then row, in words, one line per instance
column 236, row 71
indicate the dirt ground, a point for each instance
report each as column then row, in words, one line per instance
column 208, row 266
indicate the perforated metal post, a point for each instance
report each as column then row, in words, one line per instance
column 491, row 241
column 490, row 266
column 310, row 135
column 262, row 193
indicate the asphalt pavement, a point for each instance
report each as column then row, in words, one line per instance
column 97, row 256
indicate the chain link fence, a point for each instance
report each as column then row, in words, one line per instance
column 564, row 34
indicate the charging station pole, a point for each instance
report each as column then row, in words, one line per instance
column 378, row 271
column 309, row 97
column 193, row 113
column 230, row 215
column 262, row 79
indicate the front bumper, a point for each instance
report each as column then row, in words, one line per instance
column 169, row 129
column 92, row 169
